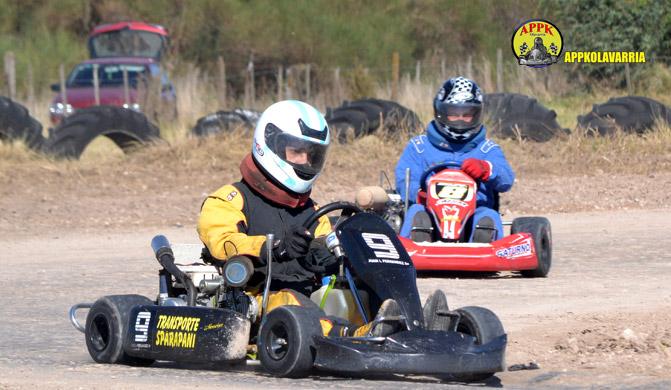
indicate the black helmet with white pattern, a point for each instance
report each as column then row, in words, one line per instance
column 457, row 109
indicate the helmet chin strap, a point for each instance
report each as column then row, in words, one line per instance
column 256, row 179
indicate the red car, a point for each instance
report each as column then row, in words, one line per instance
column 80, row 92
column 136, row 47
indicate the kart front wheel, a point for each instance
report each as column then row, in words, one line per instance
column 286, row 341
column 482, row 324
column 107, row 327
column 541, row 232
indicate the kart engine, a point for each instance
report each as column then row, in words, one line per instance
column 200, row 284
column 385, row 203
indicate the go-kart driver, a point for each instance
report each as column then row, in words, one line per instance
column 457, row 134
column 289, row 149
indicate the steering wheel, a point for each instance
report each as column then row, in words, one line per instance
column 435, row 169
column 347, row 208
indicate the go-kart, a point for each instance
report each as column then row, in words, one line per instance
column 443, row 244
column 203, row 314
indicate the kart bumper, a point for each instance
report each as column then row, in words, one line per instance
column 515, row 252
column 411, row 352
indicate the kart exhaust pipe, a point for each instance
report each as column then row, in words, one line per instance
column 269, row 255
column 166, row 258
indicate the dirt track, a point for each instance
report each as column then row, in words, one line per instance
column 600, row 319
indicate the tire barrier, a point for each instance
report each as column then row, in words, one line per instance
column 225, row 121
column 632, row 114
column 17, row 124
column 128, row 129
column 512, row 115
column 361, row 117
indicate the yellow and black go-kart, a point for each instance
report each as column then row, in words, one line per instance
column 203, row 314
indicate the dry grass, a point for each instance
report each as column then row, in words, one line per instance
column 576, row 154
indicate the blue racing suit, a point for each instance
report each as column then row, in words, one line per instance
column 427, row 150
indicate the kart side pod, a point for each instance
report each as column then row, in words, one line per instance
column 182, row 333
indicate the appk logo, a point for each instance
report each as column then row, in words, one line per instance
column 537, row 43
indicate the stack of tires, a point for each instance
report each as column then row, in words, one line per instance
column 632, row 114
column 512, row 115
column 361, row 117
column 17, row 124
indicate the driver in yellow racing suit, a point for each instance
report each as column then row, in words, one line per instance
column 289, row 149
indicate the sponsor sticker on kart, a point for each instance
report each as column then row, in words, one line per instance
column 176, row 331
column 515, row 251
column 383, row 249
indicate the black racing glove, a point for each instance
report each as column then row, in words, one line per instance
column 293, row 246
column 319, row 259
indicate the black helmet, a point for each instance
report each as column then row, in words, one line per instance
column 458, row 97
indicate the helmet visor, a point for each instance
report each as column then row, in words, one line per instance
column 459, row 116
column 305, row 156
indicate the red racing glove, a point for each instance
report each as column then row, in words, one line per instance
column 477, row 169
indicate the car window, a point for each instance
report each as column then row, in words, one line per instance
column 108, row 75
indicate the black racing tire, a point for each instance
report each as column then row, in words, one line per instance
column 128, row 129
column 632, row 114
column 372, row 111
column 107, row 327
column 226, row 121
column 435, row 302
column 360, row 117
column 397, row 118
column 286, row 341
column 347, row 123
column 509, row 115
column 485, row 326
column 17, row 124
column 541, row 232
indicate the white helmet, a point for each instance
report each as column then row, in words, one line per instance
column 294, row 127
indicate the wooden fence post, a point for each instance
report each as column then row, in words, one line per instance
column 96, row 84
column 252, row 87
column 290, row 83
column 126, row 91
column 307, row 81
column 221, row 87
column 395, row 75
column 499, row 70
column 443, row 70
column 280, row 81
column 469, row 67
column 418, row 71
column 336, row 86
column 627, row 78
column 31, row 85
column 64, row 94
column 10, row 73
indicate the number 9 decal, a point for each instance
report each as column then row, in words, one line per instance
column 385, row 248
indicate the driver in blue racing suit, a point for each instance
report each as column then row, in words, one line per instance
column 457, row 134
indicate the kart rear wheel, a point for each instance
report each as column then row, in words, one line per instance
column 482, row 324
column 107, row 328
column 541, row 232
column 286, row 341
